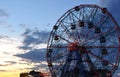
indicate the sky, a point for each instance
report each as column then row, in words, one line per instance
column 19, row 14
column 25, row 27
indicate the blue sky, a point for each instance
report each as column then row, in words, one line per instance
column 21, row 19
column 22, row 14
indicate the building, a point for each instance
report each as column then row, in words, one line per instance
column 34, row 74
column 24, row 74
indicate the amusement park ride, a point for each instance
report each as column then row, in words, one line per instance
column 85, row 42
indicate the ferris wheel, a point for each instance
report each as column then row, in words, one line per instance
column 85, row 42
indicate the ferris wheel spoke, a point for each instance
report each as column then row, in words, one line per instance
column 63, row 38
column 113, row 41
column 97, row 57
column 59, row 56
column 78, row 38
column 67, row 31
column 75, row 35
column 59, row 46
column 102, row 21
column 87, row 34
column 75, row 16
column 70, row 35
column 79, row 35
column 72, row 18
column 100, row 58
column 89, row 11
column 101, row 47
column 83, row 13
column 88, row 47
column 106, row 35
column 93, row 14
column 99, row 35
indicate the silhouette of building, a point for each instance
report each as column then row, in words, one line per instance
column 24, row 74
column 34, row 74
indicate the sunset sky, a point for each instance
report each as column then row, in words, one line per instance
column 21, row 20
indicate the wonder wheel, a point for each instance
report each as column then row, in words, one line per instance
column 85, row 42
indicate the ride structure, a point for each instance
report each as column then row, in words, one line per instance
column 85, row 42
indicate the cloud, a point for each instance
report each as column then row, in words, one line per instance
column 3, row 13
column 37, row 58
column 4, row 64
column 113, row 6
column 3, row 16
column 35, row 55
column 27, row 68
column 103, row 2
column 8, row 63
column 3, row 36
column 3, row 70
column 41, row 66
column 22, row 25
column 11, row 62
column 6, row 53
column 34, row 44
column 33, row 37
